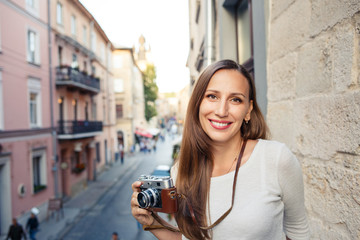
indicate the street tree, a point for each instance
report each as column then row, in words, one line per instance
column 150, row 91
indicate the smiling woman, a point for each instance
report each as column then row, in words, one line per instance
column 259, row 197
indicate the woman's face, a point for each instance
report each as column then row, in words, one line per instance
column 225, row 106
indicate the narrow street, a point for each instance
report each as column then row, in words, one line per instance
column 112, row 210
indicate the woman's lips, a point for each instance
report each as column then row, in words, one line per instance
column 220, row 124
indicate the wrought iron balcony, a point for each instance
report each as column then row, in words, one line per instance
column 73, row 78
column 71, row 129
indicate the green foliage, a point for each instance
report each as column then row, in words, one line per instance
column 150, row 91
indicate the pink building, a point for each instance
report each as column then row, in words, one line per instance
column 57, row 105
column 26, row 146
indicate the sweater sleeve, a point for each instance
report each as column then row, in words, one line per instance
column 291, row 182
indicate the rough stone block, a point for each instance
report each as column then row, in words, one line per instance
column 326, row 13
column 281, row 78
column 281, row 124
column 325, row 125
column 290, row 30
column 314, row 73
column 344, row 50
column 279, row 6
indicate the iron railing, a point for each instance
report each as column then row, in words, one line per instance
column 66, row 75
column 71, row 127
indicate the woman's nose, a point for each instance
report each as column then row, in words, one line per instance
column 222, row 109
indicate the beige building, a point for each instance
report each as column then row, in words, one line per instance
column 129, row 96
column 85, row 103
column 304, row 56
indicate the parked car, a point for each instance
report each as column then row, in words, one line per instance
column 161, row 170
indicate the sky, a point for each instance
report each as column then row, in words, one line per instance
column 163, row 23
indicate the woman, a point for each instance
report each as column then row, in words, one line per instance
column 222, row 118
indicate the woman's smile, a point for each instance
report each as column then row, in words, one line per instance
column 220, row 124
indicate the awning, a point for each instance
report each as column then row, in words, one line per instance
column 143, row 133
column 153, row 131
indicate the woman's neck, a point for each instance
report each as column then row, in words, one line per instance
column 224, row 156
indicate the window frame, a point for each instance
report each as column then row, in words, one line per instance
column 119, row 111
column 249, row 63
column 1, row 103
column 59, row 14
column 33, row 55
column 34, row 8
column 40, row 174
column 34, row 87
column 73, row 26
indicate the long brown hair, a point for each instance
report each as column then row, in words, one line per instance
column 195, row 162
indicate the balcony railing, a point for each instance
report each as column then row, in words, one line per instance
column 72, row 77
column 71, row 129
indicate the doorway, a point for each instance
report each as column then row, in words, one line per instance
column 5, row 196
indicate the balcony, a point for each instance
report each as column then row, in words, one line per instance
column 71, row 129
column 74, row 79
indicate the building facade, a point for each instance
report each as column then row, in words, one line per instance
column 129, row 96
column 84, row 109
column 26, row 136
column 304, row 56
column 57, row 104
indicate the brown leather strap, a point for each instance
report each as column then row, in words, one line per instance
column 164, row 224
column 168, row 226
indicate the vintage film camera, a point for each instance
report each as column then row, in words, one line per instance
column 158, row 194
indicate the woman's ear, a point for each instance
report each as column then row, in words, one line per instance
column 248, row 114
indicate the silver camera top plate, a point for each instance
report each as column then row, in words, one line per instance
column 156, row 182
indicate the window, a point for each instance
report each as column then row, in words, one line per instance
column 0, row 36
column 119, row 111
column 86, row 111
column 1, row 104
column 244, row 33
column 102, row 52
column 32, row 6
column 85, row 36
column 118, row 61
column 33, row 108
column 59, row 14
column 60, row 55
column 93, row 41
column 75, row 105
column 34, row 102
column 93, row 109
column 73, row 25
column 31, row 46
column 39, row 170
column 119, row 85
column 74, row 63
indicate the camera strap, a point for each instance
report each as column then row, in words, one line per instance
column 168, row 226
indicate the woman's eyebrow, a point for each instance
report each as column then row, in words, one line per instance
column 233, row 94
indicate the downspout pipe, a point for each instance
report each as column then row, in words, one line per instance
column 53, row 128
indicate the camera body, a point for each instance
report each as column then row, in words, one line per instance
column 158, row 194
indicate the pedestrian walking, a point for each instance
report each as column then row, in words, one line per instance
column 231, row 181
column 121, row 152
column 16, row 231
column 32, row 226
column 115, row 236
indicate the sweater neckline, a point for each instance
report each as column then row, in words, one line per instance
column 242, row 168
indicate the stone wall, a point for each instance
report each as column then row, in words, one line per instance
column 314, row 105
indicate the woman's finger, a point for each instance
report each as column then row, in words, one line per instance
column 136, row 186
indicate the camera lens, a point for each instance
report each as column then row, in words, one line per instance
column 148, row 198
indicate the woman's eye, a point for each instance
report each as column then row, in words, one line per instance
column 211, row 96
column 238, row 100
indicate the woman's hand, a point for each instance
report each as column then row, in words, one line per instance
column 143, row 216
